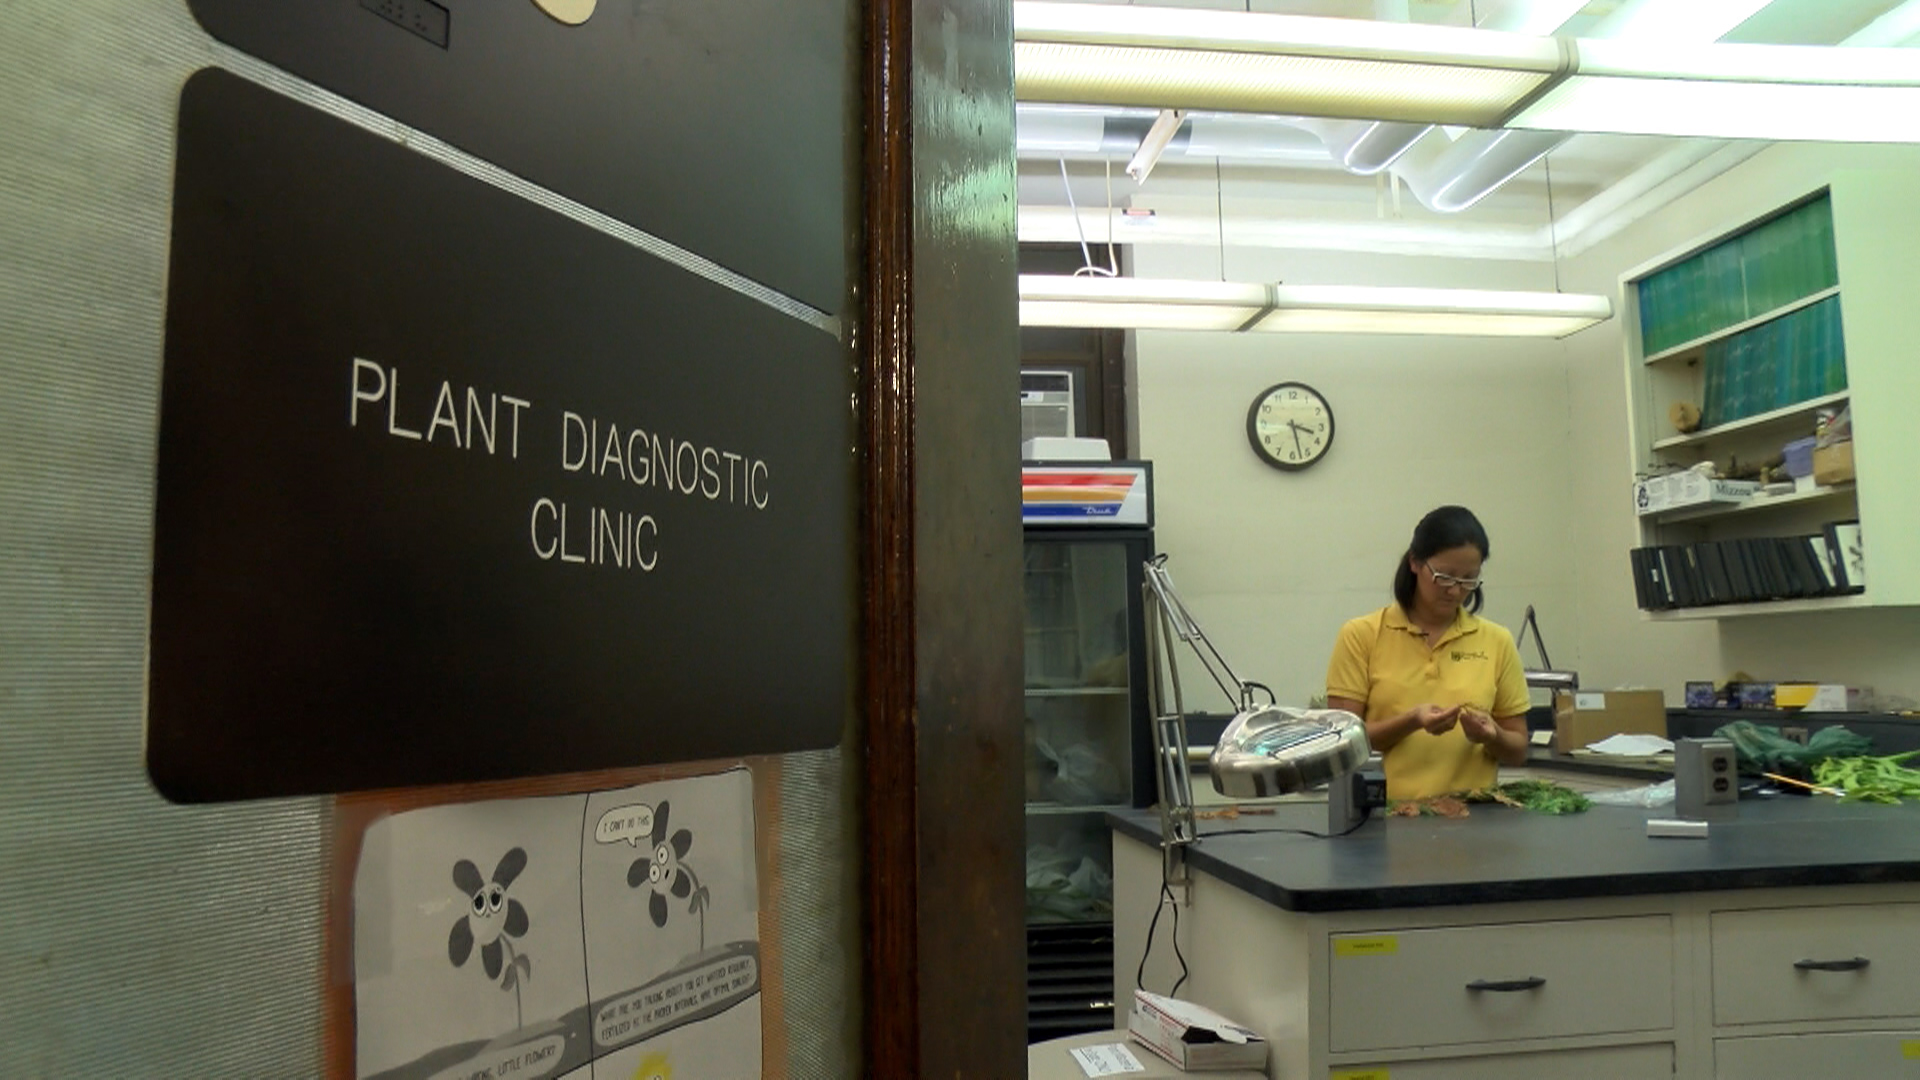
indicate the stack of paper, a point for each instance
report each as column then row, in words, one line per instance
column 1632, row 745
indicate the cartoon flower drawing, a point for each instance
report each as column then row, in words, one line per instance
column 493, row 919
column 666, row 872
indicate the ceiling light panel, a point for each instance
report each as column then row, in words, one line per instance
column 1780, row 112
column 1252, row 82
column 1137, row 303
column 1750, row 63
column 1424, row 323
column 1167, row 304
column 1236, row 62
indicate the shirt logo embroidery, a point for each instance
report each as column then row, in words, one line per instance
column 1459, row 655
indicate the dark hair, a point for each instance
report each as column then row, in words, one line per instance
column 1443, row 528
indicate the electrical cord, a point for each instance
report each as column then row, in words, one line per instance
column 1365, row 816
column 1165, row 900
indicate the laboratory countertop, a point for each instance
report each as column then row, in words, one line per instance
column 1500, row 854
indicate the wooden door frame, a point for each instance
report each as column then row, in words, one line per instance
column 943, row 975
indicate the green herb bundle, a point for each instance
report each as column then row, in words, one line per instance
column 1543, row 796
column 1871, row 779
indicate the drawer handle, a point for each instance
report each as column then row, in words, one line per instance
column 1855, row 964
column 1531, row 982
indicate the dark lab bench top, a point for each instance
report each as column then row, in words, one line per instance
column 1500, row 854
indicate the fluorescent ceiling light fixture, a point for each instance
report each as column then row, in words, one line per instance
column 1776, row 92
column 1158, row 136
column 1138, row 303
column 1238, row 62
column 1166, row 304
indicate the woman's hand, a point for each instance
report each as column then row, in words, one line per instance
column 1435, row 720
column 1478, row 726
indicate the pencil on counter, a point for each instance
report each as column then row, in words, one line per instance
column 1777, row 778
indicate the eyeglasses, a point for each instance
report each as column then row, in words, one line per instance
column 1448, row 581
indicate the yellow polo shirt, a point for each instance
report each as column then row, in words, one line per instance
column 1383, row 660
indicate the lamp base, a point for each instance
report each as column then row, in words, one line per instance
column 1350, row 797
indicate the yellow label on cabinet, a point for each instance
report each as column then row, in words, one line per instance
column 1910, row 1048
column 1366, row 946
column 1363, row 1074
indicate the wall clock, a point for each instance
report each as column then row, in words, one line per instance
column 1290, row 426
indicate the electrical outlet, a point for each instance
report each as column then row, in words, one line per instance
column 422, row 18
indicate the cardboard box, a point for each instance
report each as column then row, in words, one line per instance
column 1682, row 489
column 1054, row 1060
column 1833, row 464
column 1835, row 697
column 1582, row 717
column 1193, row 1037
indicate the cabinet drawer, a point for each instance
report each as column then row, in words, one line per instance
column 1509, row 981
column 1602, row 1063
column 1804, row 1057
column 1755, row 953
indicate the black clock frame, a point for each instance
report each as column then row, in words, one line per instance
column 1253, row 429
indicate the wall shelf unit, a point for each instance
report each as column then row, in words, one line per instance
column 1757, row 504
column 1763, row 325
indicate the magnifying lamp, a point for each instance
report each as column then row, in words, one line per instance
column 1266, row 750
column 1277, row 751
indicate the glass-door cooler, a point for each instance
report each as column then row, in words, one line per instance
column 1088, row 740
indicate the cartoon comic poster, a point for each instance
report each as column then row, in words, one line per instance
column 605, row 935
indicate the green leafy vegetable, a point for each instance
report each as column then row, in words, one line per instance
column 1871, row 779
column 1542, row 796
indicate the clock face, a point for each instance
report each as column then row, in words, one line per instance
column 1290, row 426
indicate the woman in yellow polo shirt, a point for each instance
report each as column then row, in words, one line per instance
column 1441, row 689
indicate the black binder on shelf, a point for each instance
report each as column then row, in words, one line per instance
column 1767, row 560
column 1739, row 575
column 1659, row 580
column 1714, row 569
column 1665, row 556
column 1806, row 577
column 1692, row 586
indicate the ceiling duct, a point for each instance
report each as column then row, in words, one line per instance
column 1084, row 131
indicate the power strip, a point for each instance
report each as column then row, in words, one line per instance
column 1675, row 827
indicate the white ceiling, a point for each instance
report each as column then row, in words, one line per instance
column 1272, row 182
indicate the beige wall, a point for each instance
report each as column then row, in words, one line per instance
column 1272, row 563
column 1615, row 645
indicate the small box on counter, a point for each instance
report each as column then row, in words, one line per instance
column 1193, row 1037
column 1702, row 695
column 1755, row 695
column 1583, row 717
column 1819, row 697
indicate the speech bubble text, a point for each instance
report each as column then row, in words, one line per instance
column 632, row 823
column 526, row 1061
column 682, row 997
